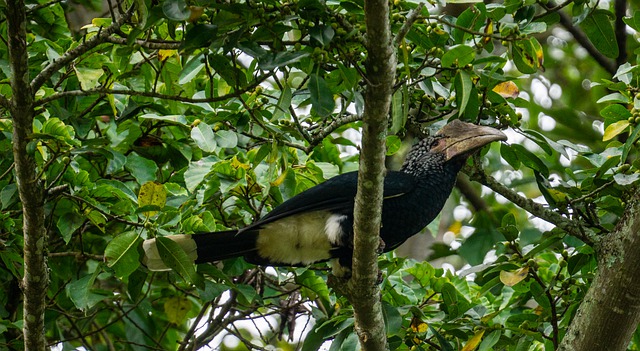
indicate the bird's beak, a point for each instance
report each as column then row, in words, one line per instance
column 461, row 138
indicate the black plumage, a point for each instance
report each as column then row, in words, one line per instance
column 317, row 224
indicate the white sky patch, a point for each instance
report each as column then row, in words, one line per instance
column 460, row 213
column 555, row 91
column 545, row 122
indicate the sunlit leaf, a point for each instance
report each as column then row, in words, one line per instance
column 473, row 343
column 164, row 54
column 226, row 139
column 507, row 89
column 191, row 69
column 89, row 78
column 459, row 55
column 122, row 255
column 515, row 277
column 177, row 308
column 204, row 137
column 152, row 194
column 614, row 129
column 614, row 113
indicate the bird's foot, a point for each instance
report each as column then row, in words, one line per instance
column 381, row 246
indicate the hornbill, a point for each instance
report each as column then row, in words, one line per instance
column 317, row 224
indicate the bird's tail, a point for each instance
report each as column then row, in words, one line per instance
column 207, row 247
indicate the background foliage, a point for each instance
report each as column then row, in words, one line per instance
column 201, row 116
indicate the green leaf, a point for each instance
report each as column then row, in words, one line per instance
column 508, row 227
column 199, row 36
column 122, row 255
column 281, row 59
column 614, row 97
column 321, row 96
column 509, row 155
column 524, row 56
column 626, row 179
column 226, row 139
column 599, row 29
column 463, row 87
column 176, row 309
column 394, row 143
column 398, row 113
column 284, row 102
column 614, row 113
column 614, row 129
column 89, row 78
column 458, row 56
column 204, row 137
column 196, row 172
column 81, row 293
column 178, row 119
column 191, row 69
column 530, row 160
column 633, row 22
column 392, row 318
column 175, row 258
column 68, row 224
column 629, row 143
column 490, row 340
column 323, row 34
column 144, row 170
column 176, row 10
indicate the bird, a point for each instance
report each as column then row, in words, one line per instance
column 316, row 225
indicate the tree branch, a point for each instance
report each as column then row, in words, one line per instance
column 30, row 189
column 571, row 226
column 102, row 91
column 620, row 8
column 610, row 312
column 363, row 290
column 79, row 50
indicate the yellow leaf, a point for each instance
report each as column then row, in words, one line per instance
column 537, row 48
column 418, row 326
column 165, row 54
column 473, row 342
column 279, row 180
column 515, row 277
column 195, row 13
column 507, row 90
column 152, row 194
column 488, row 30
column 614, row 129
column 176, row 309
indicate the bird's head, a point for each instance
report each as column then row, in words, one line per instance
column 459, row 139
column 454, row 142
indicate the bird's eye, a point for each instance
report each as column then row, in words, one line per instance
column 435, row 142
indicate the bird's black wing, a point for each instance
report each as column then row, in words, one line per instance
column 337, row 193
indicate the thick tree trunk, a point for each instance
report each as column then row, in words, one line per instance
column 610, row 312
column 34, row 284
column 363, row 288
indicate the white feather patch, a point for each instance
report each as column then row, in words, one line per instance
column 333, row 228
column 300, row 239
